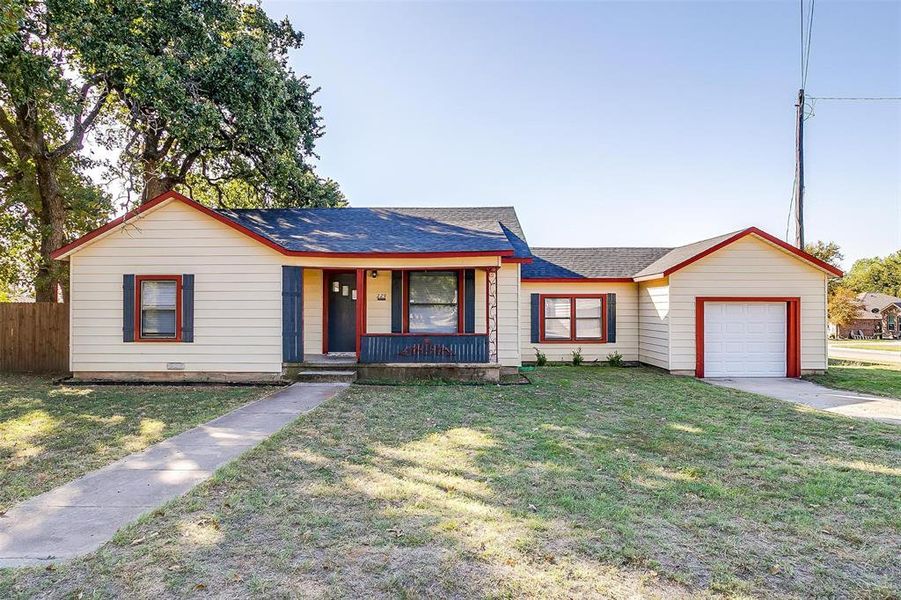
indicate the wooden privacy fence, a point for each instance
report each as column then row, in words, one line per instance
column 34, row 337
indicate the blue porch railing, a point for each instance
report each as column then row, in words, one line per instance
column 424, row 349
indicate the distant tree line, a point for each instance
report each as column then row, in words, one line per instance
column 866, row 275
column 153, row 95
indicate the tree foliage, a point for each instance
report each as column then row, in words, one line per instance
column 46, row 111
column 843, row 307
column 876, row 275
column 828, row 252
column 205, row 97
column 187, row 93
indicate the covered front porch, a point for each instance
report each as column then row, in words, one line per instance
column 410, row 315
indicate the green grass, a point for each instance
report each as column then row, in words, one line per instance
column 52, row 434
column 887, row 345
column 867, row 378
column 593, row 482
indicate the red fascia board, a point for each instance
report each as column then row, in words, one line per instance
column 171, row 195
column 764, row 235
column 579, row 280
column 523, row 260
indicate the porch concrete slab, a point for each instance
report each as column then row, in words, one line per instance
column 80, row 516
column 849, row 404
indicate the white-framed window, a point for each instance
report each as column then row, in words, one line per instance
column 158, row 305
column 433, row 301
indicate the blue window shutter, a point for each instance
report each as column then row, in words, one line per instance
column 536, row 317
column 128, row 308
column 187, row 308
column 469, row 301
column 611, row 318
column 397, row 301
column 292, row 314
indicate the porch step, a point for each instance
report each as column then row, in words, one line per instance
column 326, row 375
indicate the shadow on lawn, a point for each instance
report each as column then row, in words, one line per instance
column 51, row 434
column 591, row 482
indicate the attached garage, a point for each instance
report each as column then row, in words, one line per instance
column 746, row 338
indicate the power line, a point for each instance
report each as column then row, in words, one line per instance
column 860, row 98
column 806, row 58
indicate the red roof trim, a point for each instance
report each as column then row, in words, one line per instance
column 579, row 279
column 523, row 260
column 766, row 236
column 172, row 195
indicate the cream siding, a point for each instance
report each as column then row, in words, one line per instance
column 748, row 267
column 312, row 311
column 653, row 323
column 626, row 322
column 508, row 310
column 237, row 297
column 378, row 312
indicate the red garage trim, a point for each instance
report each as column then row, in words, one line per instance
column 764, row 235
column 171, row 195
column 139, row 279
column 792, row 337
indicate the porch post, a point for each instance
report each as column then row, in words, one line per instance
column 360, row 308
column 491, row 309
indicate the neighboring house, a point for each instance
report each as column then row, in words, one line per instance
column 879, row 316
column 178, row 290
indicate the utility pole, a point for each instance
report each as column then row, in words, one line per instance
column 799, row 171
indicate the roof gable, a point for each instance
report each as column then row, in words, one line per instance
column 681, row 257
column 415, row 232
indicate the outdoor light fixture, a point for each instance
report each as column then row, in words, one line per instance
column 375, row 274
column 336, row 287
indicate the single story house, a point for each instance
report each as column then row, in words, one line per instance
column 175, row 289
column 879, row 316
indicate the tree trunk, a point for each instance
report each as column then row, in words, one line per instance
column 52, row 219
column 154, row 183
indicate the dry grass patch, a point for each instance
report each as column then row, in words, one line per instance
column 52, row 434
column 594, row 482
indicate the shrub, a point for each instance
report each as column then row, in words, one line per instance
column 615, row 359
column 577, row 357
column 540, row 358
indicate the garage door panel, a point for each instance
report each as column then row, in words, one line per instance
column 745, row 339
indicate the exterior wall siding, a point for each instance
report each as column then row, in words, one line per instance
column 748, row 267
column 626, row 322
column 237, row 298
column 378, row 312
column 653, row 323
column 508, row 310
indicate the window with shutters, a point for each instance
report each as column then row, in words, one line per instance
column 158, row 313
column 433, row 301
column 573, row 318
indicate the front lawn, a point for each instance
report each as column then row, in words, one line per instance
column 867, row 378
column 593, row 482
column 52, row 434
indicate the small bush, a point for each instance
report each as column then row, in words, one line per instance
column 577, row 357
column 540, row 358
column 615, row 359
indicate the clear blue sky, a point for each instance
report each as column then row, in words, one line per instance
column 612, row 123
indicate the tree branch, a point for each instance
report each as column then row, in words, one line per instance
column 80, row 127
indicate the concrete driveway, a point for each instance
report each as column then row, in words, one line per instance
column 849, row 404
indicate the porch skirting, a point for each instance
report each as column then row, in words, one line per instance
column 397, row 372
column 419, row 349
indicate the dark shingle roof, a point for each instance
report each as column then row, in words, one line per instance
column 578, row 263
column 681, row 254
column 387, row 230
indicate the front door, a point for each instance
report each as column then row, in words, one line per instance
column 342, row 313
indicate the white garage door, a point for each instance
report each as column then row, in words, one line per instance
column 744, row 339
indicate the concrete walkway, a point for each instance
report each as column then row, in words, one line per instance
column 849, row 404
column 80, row 516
